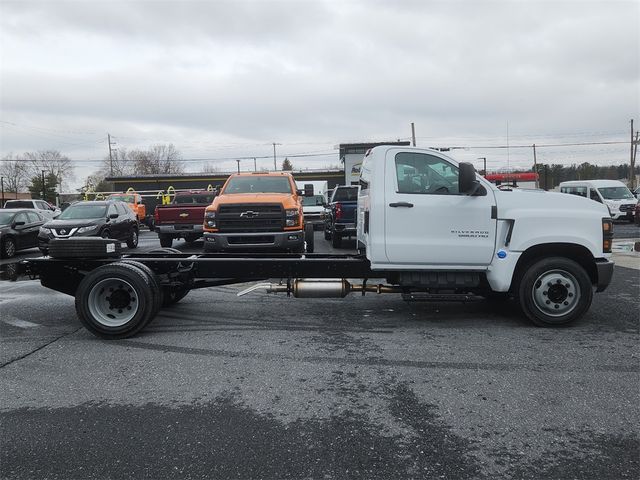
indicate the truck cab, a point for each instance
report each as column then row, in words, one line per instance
column 436, row 224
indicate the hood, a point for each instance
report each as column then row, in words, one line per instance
column 286, row 199
column 73, row 223
column 554, row 203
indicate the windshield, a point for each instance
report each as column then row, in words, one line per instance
column 194, row 199
column 315, row 201
column 257, row 184
column 122, row 198
column 6, row 217
column 346, row 194
column 78, row 212
column 615, row 193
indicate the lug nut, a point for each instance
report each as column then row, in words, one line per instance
column 570, row 294
column 567, row 285
column 120, row 310
column 544, row 293
column 548, row 302
column 557, row 306
column 566, row 303
column 558, row 281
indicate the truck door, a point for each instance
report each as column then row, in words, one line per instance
column 427, row 220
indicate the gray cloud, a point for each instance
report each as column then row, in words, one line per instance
column 314, row 72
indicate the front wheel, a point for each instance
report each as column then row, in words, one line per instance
column 554, row 292
column 8, row 248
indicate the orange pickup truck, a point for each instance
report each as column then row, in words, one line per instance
column 256, row 212
column 134, row 200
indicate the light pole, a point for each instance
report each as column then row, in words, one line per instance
column 2, row 189
column 44, row 190
column 484, row 172
column 238, row 160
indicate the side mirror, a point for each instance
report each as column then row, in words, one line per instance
column 467, row 182
column 113, row 215
column 308, row 190
column 17, row 224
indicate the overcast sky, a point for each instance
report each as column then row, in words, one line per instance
column 225, row 79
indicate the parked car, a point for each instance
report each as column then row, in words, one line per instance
column 614, row 194
column 340, row 215
column 43, row 208
column 636, row 192
column 18, row 230
column 314, row 206
column 638, row 213
column 183, row 217
column 106, row 219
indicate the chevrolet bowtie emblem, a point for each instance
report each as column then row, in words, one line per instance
column 249, row 214
column 184, row 215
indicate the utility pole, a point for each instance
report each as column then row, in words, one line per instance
column 546, row 176
column 275, row 165
column 484, row 171
column 535, row 165
column 2, row 189
column 44, row 190
column 238, row 160
column 413, row 134
column 255, row 165
column 632, row 162
column 110, row 155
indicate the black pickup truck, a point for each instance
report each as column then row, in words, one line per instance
column 340, row 214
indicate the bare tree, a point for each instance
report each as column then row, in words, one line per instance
column 52, row 162
column 157, row 159
column 14, row 173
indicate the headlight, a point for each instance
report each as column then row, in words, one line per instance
column 293, row 215
column 45, row 231
column 90, row 228
column 210, row 219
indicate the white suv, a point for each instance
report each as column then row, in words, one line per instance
column 42, row 207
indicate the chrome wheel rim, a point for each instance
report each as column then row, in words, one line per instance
column 134, row 237
column 113, row 302
column 556, row 293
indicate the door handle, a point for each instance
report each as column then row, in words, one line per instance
column 401, row 204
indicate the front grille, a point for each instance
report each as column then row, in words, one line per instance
column 252, row 240
column 250, row 218
column 627, row 208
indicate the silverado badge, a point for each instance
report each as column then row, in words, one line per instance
column 184, row 214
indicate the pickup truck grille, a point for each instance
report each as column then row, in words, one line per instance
column 251, row 218
column 627, row 207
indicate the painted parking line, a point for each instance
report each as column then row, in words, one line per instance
column 16, row 322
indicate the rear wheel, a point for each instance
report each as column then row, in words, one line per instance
column 191, row 238
column 115, row 301
column 132, row 242
column 156, row 290
column 165, row 241
column 336, row 240
column 555, row 292
column 309, row 237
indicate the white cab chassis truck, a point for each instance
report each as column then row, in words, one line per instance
column 428, row 228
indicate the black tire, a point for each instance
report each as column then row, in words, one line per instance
column 172, row 295
column 191, row 238
column 554, row 292
column 309, row 237
column 336, row 240
column 119, row 317
column 155, row 286
column 132, row 241
column 165, row 241
column 84, row 247
column 327, row 234
column 8, row 248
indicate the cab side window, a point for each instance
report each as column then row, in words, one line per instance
column 593, row 195
column 421, row 173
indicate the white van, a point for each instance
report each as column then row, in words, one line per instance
column 612, row 193
column 314, row 206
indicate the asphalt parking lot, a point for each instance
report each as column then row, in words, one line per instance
column 270, row 387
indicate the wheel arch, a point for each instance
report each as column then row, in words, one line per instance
column 578, row 253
